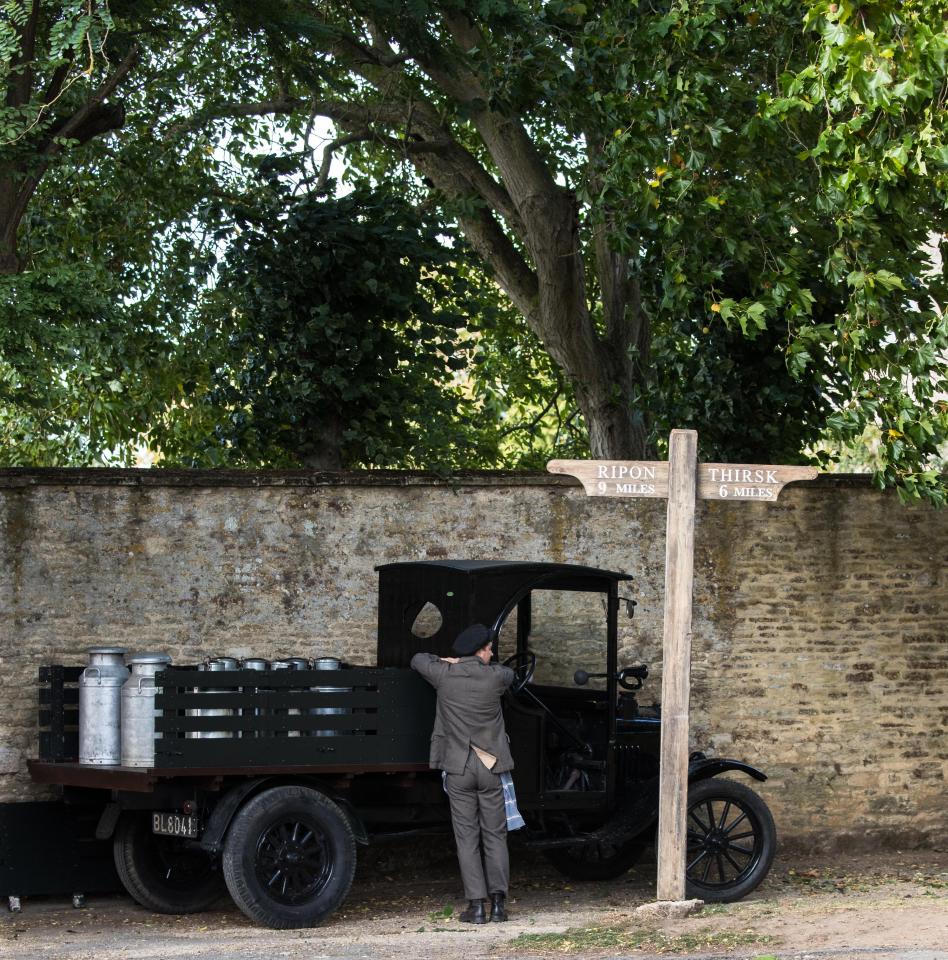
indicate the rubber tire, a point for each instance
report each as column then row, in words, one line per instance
column 240, row 848
column 757, row 810
column 137, row 860
column 621, row 861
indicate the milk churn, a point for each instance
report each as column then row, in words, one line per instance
column 329, row 663
column 253, row 663
column 297, row 663
column 282, row 711
column 138, row 709
column 215, row 666
column 100, row 706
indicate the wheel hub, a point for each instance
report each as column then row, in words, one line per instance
column 292, row 861
column 715, row 840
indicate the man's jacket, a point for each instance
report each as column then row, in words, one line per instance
column 468, row 712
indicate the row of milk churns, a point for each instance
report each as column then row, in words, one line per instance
column 256, row 663
column 117, row 703
column 117, row 707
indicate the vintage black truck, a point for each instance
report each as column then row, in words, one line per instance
column 305, row 765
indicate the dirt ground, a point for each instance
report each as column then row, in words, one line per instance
column 893, row 904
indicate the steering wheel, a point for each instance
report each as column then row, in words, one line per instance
column 523, row 664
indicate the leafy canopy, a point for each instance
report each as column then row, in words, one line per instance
column 771, row 177
column 341, row 319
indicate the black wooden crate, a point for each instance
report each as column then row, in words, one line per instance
column 59, row 713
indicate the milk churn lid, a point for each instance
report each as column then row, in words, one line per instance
column 221, row 663
column 327, row 663
column 109, row 650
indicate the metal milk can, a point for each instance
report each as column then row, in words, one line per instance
column 281, row 711
column 138, row 709
column 328, row 663
column 100, row 706
column 259, row 664
column 215, row 666
column 296, row 663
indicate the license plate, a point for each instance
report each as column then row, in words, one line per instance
column 175, row 825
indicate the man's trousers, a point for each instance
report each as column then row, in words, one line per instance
column 480, row 828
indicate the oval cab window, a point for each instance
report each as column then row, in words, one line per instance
column 427, row 623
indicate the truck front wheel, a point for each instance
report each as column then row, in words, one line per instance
column 731, row 841
column 164, row 874
column 289, row 857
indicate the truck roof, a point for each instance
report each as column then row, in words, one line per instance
column 465, row 592
column 521, row 567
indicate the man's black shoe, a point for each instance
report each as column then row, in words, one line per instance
column 498, row 909
column 475, row 913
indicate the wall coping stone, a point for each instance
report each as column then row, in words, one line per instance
column 20, row 477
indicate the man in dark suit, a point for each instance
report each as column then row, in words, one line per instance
column 469, row 743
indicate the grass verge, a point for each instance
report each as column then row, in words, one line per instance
column 583, row 939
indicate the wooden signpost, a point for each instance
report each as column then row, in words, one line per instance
column 680, row 479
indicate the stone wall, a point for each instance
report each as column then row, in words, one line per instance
column 820, row 624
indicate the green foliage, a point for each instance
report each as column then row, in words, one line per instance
column 778, row 194
column 341, row 319
column 76, row 33
column 525, row 399
column 74, row 384
column 774, row 173
column 97, row 339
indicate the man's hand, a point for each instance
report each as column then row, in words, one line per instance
column 451, row 659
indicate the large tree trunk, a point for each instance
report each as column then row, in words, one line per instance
column 324, row 449
column 548, row 285
column 599, row 365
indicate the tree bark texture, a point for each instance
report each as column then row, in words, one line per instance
column 523, row 223
column 94, row 117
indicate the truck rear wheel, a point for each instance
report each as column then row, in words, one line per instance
column 289, row 857
column 164, row 874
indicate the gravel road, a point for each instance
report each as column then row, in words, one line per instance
column 893, row 907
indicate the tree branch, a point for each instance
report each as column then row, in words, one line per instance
column 56, row 81
column 106, row 89
column 223, row 110
column 380, row 66
column 486, row 237
column 92, row 118
column 531, row 425
column 21, row 88
column 332, row 146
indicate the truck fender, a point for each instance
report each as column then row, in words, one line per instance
column 223, row 813
column 701, row 768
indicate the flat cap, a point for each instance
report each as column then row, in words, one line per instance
column 471, row 639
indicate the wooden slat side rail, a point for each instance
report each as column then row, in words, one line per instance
column 58, row 713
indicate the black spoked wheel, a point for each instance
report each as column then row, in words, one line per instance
column 731, row 841
column 289, row 857
column 164, row 874
column 293, row 861
column 596, row 862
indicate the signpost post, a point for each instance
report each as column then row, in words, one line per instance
column 680, row 479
